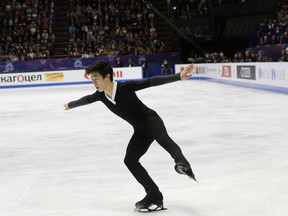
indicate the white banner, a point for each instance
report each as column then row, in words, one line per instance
column 62, row 77
column 274, row 74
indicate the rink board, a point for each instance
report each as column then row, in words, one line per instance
column 264, row 76
column 61, row 77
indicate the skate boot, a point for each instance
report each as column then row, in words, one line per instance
column 185, row 169
column 151, row 202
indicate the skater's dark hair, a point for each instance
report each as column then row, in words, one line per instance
column 101, row 67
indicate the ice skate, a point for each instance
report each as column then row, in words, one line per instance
column 151, row 202
column 185, row 169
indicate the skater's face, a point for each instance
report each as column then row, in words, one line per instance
column 99, row 82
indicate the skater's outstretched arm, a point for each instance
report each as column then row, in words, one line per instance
column 185, row 74
column 82, row 101
column 161, row 79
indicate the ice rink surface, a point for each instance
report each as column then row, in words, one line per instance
column 70, row 163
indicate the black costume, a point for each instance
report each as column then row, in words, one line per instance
column 148, row 126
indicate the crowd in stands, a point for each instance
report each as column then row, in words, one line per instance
column 223, row 2
column 275, row 31
column 110, row 27
column 270, row 32
column 214, row 57
column 187, row 9
column 27, row 29
column 240, row 56
column 117, row 27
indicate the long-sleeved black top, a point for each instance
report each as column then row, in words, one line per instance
column 128, row 106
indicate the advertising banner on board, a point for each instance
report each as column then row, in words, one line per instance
column 64, row 77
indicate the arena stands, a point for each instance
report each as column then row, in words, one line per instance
column 201, row 21
column 109, row 28
column 185, row 9
column 275, row 31
column 27, row 29
column 114, row 28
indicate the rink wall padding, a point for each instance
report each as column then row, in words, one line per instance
column 270, row 76
column 61, row 77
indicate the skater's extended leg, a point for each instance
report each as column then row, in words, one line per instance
column 137, row 147
column 182, row 166
column 159, row 131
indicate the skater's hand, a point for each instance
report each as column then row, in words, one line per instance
column 187, row 72
column 66, row 107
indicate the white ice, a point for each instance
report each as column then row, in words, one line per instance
column 70, row 163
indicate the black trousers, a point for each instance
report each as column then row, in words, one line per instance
column 145, row 132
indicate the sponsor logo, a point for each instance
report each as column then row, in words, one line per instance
column 212, row 70
column 52, row 77
column 246, row 72
column 278, row 74
column 9, row 67
column 271, row 74
column 200, row 70
column 86, row 76
column 226, row 71
column 78, row 64
column 21, row 78
column 140, row 60
column 264, row 74
column 118, row 74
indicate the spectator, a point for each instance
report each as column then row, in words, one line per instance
column 261, row 56
column 131, row 62
column 248, row 57
column 119, row 62
column 253, row 57
column 165, row 68
column 145, row 67
column 222, row 58
column 238, row 57
column 284, row 57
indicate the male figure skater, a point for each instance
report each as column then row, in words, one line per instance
column 122, row 100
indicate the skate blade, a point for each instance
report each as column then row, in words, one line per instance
column 152, row 208
column 194, row 178
column 182, row 172
column 191, row 176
